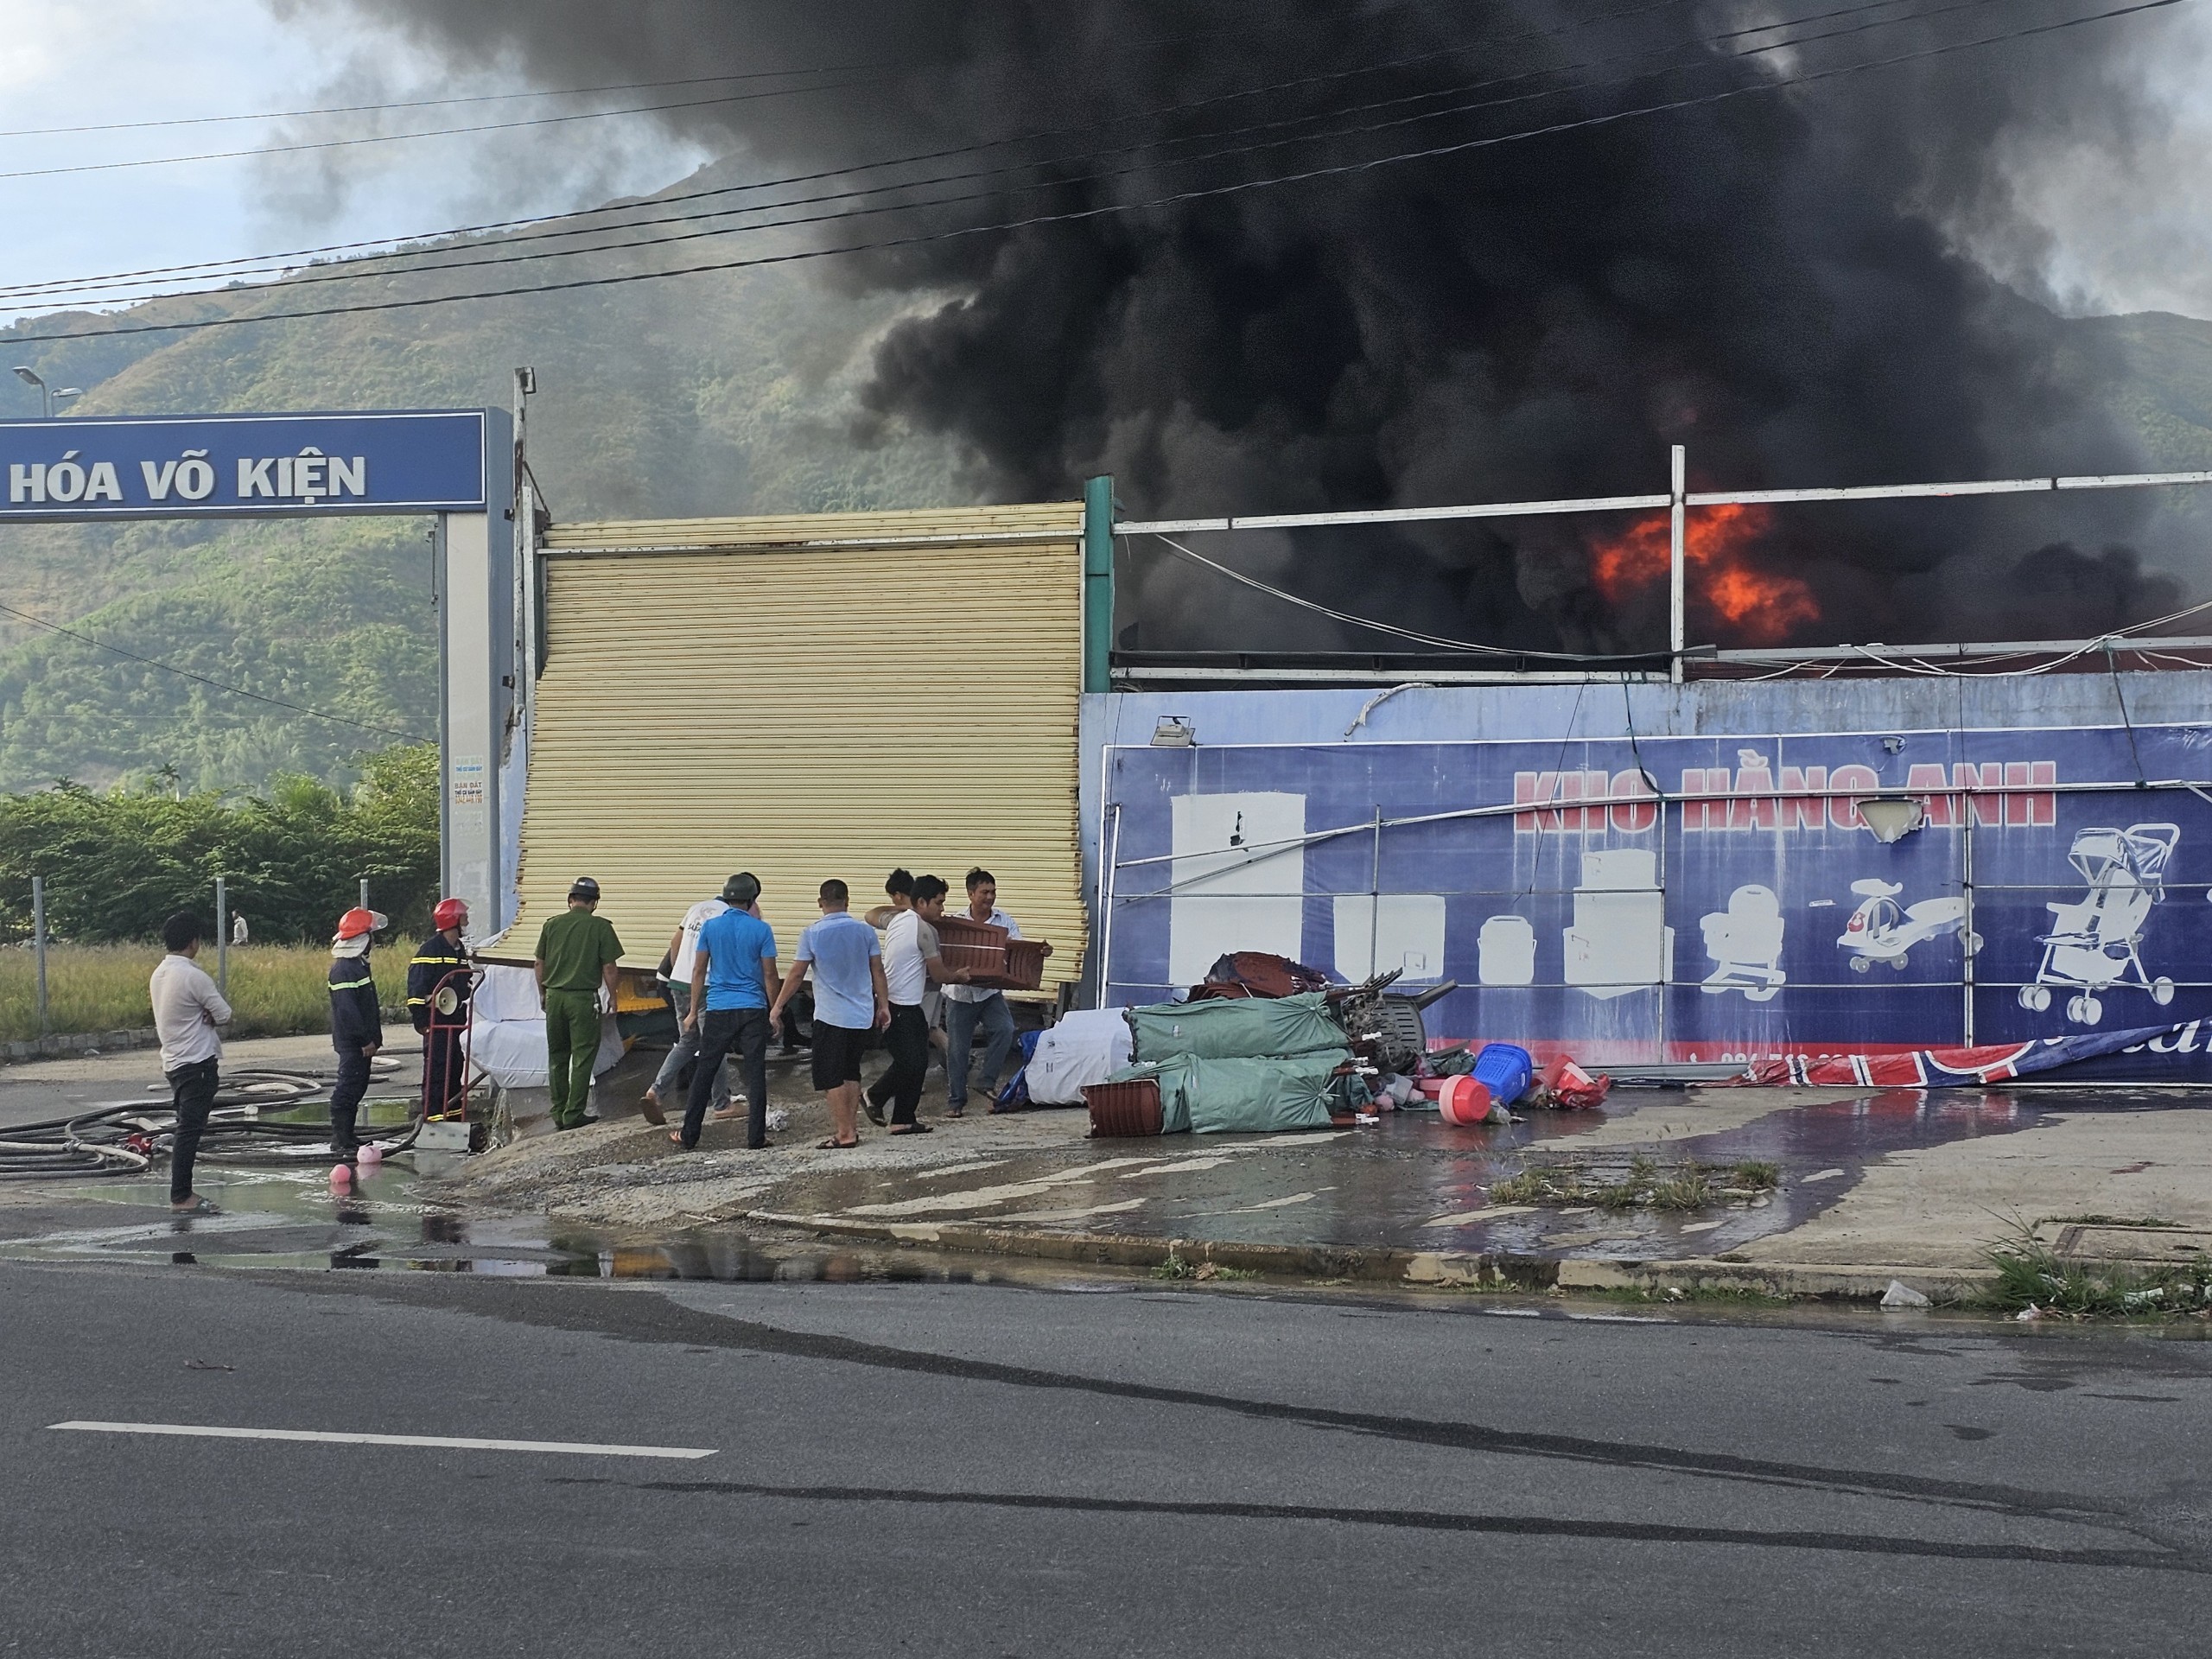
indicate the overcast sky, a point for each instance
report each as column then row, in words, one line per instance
column 2128, row 229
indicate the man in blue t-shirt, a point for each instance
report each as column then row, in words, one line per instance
column 851, row 1003
column 733, row 975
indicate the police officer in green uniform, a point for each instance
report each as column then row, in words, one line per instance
column 575, row 964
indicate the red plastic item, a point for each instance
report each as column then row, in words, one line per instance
column 1464, row 1102
column 1123, row 1108
column 1432, row 1087
column 980, row 947
column 1569, row 1088
column 1025, row 968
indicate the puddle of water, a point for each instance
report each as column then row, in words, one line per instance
column 292, row 1218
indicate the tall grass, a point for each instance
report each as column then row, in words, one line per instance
column 2031, row 1275
column 275, row 989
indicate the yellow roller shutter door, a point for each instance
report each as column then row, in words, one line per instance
column 876, row 696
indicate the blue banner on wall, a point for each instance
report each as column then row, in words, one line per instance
column 244, row 466
column 1750, row 914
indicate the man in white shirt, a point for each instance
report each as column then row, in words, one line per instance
column 967, row 1006
column 912, row 963
column 188, row 1009
column 682, row 949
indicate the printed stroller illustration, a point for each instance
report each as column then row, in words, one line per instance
column 2092, row 944
column 1882, row 930
column 1745, row 941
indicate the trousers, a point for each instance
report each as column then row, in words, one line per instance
column 908, row 1039
column 193, row 1089
column 571, row 1044
column 686, row 1051
column 961, row 1020
column 722, row 1030
column 346, row 1100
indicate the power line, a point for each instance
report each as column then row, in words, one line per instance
column 379, row 266
column 431, row 132
column 431, row 103
column 235, row 690
column 534, row 121
column 1117, row 209
column 581, row 91
column 1415, row 635
column 916, row 157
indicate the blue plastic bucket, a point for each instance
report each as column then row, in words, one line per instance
column 1504, row 1070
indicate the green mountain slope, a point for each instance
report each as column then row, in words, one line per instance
column 724, row 393
column 727, row 393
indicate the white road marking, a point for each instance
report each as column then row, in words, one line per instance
column 1824, row 1175
column 449, row 1442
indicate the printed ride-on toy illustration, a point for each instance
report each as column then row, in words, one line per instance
column 2092, row 944
column 1881, row 931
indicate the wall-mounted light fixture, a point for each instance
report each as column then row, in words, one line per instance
column 1892, row 817
column 1173, row 732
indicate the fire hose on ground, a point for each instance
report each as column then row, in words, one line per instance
column 124, row 1138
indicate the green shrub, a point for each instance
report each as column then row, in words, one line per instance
column 117, row 863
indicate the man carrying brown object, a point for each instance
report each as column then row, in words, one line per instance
column 912, row 963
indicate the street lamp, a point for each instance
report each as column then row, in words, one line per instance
column 46, row 394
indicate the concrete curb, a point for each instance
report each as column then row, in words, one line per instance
column 63, row 1046
column 1435, row 1269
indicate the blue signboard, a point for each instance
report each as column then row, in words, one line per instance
column 248, row 466
column 1751, row 914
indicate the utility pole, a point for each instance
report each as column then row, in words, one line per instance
column 1677, row 627
column 38, row 944
column 222, row 937
column 525, row 544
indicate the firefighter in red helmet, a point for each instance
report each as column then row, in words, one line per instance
column 442, row 962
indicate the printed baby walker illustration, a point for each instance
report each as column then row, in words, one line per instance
column 2092, row 942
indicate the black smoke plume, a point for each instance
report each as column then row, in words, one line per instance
column 1766, row 278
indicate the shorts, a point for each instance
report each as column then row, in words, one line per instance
column 837, row 1051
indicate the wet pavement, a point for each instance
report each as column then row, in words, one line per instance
column 1406, row 1184
column 1410, row 1182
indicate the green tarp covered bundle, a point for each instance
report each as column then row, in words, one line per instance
column 1235, row 1028
column 1242, row 1096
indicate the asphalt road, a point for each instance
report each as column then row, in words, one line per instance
column 983, row 1470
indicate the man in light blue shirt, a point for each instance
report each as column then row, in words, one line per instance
column 733, row 974
column 851, row 1003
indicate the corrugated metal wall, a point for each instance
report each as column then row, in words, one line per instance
column 806, row 697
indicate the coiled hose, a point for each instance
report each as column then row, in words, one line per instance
column 122, row 1138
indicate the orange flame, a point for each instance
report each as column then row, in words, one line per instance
column 1717, row 545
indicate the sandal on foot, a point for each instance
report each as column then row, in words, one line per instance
column 910, row 1128
column 835, row 1145
column 198, row 1206
column 650, row 1107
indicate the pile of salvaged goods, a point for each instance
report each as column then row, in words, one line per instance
column 1266, row 1045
